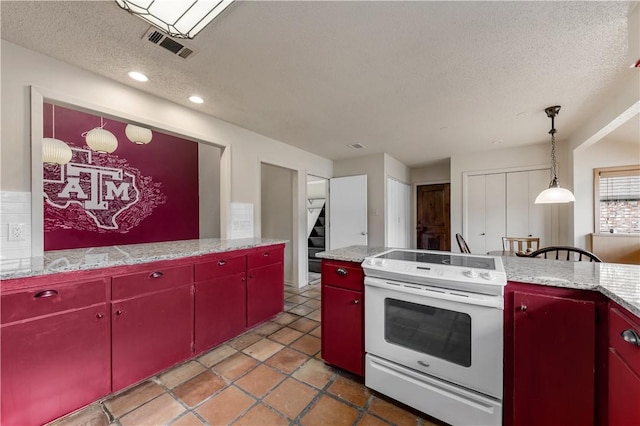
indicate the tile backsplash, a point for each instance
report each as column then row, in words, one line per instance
column 15, row 225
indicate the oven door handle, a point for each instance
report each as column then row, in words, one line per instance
column 437, row 293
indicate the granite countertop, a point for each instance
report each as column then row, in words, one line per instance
column 133, row 254
column 620, row 283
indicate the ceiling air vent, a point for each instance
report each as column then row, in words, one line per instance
column 160, row 39
column 356, row 146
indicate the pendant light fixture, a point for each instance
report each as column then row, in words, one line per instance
column 54, row 150
column 101, row 140
column 180, row 19
column 138, row 135
column 554, row 194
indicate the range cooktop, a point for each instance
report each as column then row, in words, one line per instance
column 441, row 258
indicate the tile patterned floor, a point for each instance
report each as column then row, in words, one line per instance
column 271, row 375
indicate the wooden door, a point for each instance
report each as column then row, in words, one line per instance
column 433, row 217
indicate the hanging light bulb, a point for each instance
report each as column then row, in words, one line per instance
column 101, row 140
column 54, row 150
column 554, row 194
column 138, row 135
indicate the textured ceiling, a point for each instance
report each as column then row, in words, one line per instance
column 419, row 80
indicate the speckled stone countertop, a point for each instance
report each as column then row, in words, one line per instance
column 620, row 283
column 133, row 254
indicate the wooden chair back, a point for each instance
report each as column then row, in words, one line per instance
column 569, row 253
column 520, row 244
column 464, row 248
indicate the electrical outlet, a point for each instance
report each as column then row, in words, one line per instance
column 16, row 231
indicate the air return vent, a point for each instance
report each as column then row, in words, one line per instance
column 356, row 146
column 160, row 39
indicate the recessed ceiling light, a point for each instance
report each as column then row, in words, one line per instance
column 196, row 99
column 138, row 76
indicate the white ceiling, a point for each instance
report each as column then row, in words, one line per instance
column 420, row 81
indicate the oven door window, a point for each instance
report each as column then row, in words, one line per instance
column 434, row 331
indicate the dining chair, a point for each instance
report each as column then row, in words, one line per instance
column 574, row 254
column 520, row 244
column 464, row 248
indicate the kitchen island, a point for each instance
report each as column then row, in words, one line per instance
column 571, row 351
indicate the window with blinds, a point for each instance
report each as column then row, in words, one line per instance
column 617, row 199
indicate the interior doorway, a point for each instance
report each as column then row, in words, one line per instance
column 433, row 217
column 277, row 211
column 317, row 237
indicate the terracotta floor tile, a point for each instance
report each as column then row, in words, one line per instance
column 287, row 360
column 369, row 420
column 133, row 398
column 309, row 345
column 285, row 335
column 313, row 293
column 301, row 310
column 261, row 415
column 297, row 299
column 315, row 373
column 180, row 374
column 288, row 306
column 351, row 391
column 225, row 407
column 304, row 325
column 328, row 411
column 263, row 349
column 315, row 315
column 267, row 328
column 245, row 340
column 286, row 318
column 201, row 387
column 290, row 397
column 392, row 413
column 235, row 366
column 189, row 419
column 155, row 412
column 313, row 303
column 260, row 380
column 215, row 356
column 92, row 415
column 316, row 332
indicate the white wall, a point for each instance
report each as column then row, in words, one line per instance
column 276, row 207
column 497, row 160
column 437, row 172
column 22, row 68
column 605, row 153
column 209, row 190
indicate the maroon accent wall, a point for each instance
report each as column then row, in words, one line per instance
column 137, row 194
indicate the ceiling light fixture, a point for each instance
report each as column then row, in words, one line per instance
column 138, row 135
column 180, row 19
column 554, row 194
column 196, row 99
column 54, row 150
column 138, row 76
column 101, row 140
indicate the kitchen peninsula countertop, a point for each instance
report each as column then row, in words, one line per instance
column 620, row 283
column 133, row 254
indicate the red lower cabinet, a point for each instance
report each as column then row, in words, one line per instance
column 150, row 333
column 265, row 293
column 53, row 365
column 220, row 310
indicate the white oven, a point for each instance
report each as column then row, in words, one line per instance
column 434, row 333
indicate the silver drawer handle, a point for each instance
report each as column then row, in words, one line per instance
column 630, row 336
column 424, row 364
column 341, row 271
column 46, row 293
column 156, row 274
column 265, row 254
column 222, row 262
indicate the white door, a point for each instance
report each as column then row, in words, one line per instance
column 347, row 211
column 397, row 205
column 540, row 216
column 485, row 212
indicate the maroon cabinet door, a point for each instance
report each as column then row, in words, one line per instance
column 150, row 333
column 554, row 360
column 53, row 365
column 265, row 292
column 624, row 392
column 220, row 310
column 343, row 328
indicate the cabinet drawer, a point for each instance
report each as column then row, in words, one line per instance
column 131, row 285
column 50, row 299
column 620, row 323
column 343, row 274
column 220, row 266
column 265, row 255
